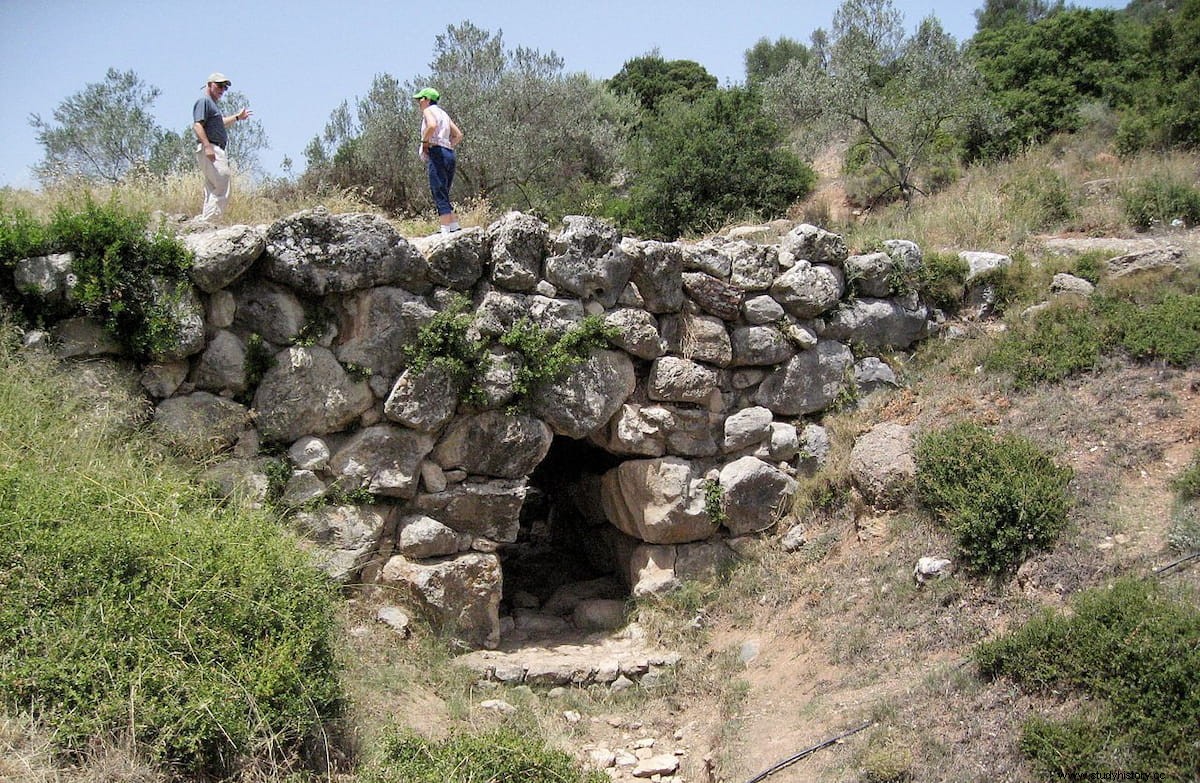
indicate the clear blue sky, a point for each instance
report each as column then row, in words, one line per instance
column 298, row 60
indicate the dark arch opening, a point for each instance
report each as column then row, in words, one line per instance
column 563, row 574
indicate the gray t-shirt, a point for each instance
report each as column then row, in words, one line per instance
column 206, row 112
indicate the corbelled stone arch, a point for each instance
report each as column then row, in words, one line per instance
column 567, row 571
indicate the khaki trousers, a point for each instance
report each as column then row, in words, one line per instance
column 217, row 181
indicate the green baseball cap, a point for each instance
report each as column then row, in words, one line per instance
column 429, row 93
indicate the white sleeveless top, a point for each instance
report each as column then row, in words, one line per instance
column 441, row 131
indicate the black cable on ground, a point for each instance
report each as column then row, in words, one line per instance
column 806, row 752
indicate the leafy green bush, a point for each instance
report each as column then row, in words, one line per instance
column 502, row 755
column 1163, row 325
column 1158, row 200
column 706, row 162
column 448, row 341
column 134, row 608
column 942, row 280
column 1001, row 496
column 124, row 275
column 546, row 358
column 1060, row 341
column 1136, row 650
column 21, row 236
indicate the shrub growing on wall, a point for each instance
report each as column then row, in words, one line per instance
column 124, row 275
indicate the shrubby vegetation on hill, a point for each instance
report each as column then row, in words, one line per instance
column 135, row 607
column 916, row 108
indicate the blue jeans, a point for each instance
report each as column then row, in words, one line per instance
column 441, row 175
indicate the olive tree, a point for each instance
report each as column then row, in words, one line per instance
column 107, row 133
column 104, row 132
column 901, row 98
column 532, row 132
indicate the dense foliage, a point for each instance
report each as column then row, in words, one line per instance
column 1135, row 650
column 703, row 163
column 501, row 755
column 1001, row 496
column 1151, row 322
column 651, row 79
column 135, row 607
column 126, row 278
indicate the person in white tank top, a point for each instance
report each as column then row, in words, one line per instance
column 439, row 137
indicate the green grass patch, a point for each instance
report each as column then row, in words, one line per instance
column 501, row 755
column 1001, row 496
column 1160, row 322
column 134, row 608
column 1157, row 200
column 1135, row 649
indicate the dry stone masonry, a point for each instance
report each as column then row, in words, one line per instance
column 512, row 515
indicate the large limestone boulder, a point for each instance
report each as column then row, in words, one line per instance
column 639, row 430
column 713, row 295
column 657, row 271
column 880, row 323
column 494, row 443
column 462, row 593
column 872, row 273
column 587, row 260
column 673, row 379
column 760, row 346
column 455, row 260
column 815, row 245
column 809, row 382
column 637, row 332
column 200, row 423
column 807, row 290
column 421, row 537
column 378, row 326
column 489, row 509
column 701, row 338
column 224, row 255
column 755, row 495
column 317, row 252
column 519, row 243
column 883, row 465
column 183, row 320
column 47, row 277
column 271, row 311
column 424, row 399
column 383, row 459
column 307, row 392
column 342, row 538
column 587, row 398
column 222, row 366
column 752, row 267
column 659, row 501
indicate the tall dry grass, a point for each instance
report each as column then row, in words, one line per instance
column 1070, row 186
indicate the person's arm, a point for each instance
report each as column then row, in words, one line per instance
column 244, row 114
column 428, row 128
column 455, row 135
column 205, row 144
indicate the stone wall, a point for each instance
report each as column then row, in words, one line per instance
column 725, row 353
